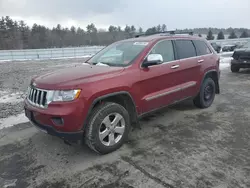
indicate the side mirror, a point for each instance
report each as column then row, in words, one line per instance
column 152, row 59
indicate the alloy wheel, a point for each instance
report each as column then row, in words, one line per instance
column 112, row 129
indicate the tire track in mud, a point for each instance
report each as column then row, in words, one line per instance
column 138, row 167
column 215, row 131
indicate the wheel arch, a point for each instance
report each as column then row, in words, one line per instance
column 123, row 98
column 215, row 76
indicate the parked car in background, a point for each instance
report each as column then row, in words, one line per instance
column 229, row 48
column 99, row 104
column 241, row 58
column 216, row 47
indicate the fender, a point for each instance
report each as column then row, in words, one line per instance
column 216, row 81
column 104, row 97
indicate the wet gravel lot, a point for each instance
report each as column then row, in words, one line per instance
column 179, row 147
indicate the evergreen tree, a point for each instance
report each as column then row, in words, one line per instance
column 244, row 34
column 140, row 30
column 127, row 30
column 151, row 30
column 119, row 28
column 220, row 35
column 17, row 35
column 210, row 35
column 3, row 33
column 113, row 30
column 158, row 28
column 133, row 30
column 164, row 27
column 232, row 35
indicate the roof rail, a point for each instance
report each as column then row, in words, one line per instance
column 174, row 32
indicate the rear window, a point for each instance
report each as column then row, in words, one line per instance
column 185, row 49
column 201, row 47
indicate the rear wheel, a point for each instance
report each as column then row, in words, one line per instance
column 206, row 95
column 108, row 128
column 235, row 68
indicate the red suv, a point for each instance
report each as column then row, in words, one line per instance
column 99, row 101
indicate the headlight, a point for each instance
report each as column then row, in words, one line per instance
column 64, row 95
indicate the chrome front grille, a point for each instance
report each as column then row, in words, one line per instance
column 37, row 97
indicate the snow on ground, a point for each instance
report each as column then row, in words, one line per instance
column 225, row 62
column 11, row 98
column 13, row 120
column 224, row 66
column 3, row 93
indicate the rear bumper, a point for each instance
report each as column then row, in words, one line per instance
column 68, row 136
column 240, row 63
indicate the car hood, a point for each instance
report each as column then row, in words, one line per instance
column 242, row 50
column 72, row 77
column 242, row 53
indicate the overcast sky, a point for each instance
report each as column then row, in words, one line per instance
column 174, row 13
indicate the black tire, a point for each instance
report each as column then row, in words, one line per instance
column 203, row 100
column 92, row 138
column 235, row 68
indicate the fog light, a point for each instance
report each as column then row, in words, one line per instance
column 58, row 121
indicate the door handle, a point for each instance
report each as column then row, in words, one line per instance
column 200, row 61
column 175, row 66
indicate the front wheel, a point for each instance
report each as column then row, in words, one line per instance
column 235, row 68
column 206, row 95
column 108, row 128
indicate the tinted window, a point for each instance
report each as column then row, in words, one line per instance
column 185, row 49
column 165, row 48
column 201, row 47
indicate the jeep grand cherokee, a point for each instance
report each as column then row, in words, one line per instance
column 99, row 102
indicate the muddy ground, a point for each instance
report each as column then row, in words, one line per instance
column 179, row 147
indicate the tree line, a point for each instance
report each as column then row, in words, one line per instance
column 18, row 35
column 232, row 35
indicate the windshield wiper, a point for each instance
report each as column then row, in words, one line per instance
column 105, row 63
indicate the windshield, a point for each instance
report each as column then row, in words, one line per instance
column 119, row 54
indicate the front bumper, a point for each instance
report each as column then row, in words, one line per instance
column 68, row 136
column 240, row 63
column 71, row 116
